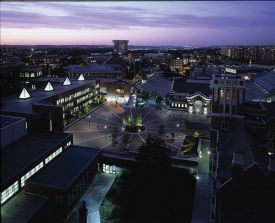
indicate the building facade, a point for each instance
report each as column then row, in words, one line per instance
column 121, row 46
column 46, row 108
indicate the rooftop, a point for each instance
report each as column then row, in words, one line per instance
column 62, row 171
column 8, row 120
column 15, row 104
column 21, row 207
column 17, row 156
column 240, row 138
column 192, row 86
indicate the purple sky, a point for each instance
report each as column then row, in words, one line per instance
column 142, row 23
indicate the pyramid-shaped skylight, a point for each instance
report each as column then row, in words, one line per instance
column 67, row 82
column 49, row 87
column 24, row 94
column 81, row 78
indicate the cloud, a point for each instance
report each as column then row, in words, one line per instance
column 98, row 17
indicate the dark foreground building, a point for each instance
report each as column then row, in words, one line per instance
column 243, row 168
column 43, row 176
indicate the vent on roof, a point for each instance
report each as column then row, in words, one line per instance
column 81, row 78
column 49, row 87
column 24, row 94
column 67, row 82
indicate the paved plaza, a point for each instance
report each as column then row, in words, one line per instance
column 95, row 129
column 90, row 132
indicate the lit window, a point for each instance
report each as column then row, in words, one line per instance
column 11, row 190
column 120, row 91
column 228, row 94
column 221, row 94
column 30, row 173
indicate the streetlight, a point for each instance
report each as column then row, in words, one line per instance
column 105, row 131
column 89, row 121
column 107, row 108
column 178, row 130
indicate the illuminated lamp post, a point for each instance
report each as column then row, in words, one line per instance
column 105, row 131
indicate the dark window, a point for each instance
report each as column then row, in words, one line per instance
column 224, row 125
column 226, row 108
column 234, row 94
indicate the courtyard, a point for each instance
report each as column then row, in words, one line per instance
column 95, row 129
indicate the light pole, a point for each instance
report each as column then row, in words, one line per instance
column 178, row 130
column 105, row 131
column 89, row 121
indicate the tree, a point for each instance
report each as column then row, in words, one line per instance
column 159, row 99
column 114, row 136
column 161, row 131
column 126, row 139
column 154, row 151
column 139, row 120
column 128, row 120
column 186, row 123
column 173, row 135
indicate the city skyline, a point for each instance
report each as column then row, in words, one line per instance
column 142, row 23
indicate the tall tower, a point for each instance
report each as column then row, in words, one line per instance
column 121, row 46
column 228, row 94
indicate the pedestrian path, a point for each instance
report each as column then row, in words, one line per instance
column 201, row 207
column 93, row 198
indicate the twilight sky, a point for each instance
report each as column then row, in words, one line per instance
column 142, row 23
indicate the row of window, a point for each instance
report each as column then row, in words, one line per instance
column 84, row 98
column 179, row 105
column 70, row 97
column 11, row 190
column 30, row 173
column 120, row 91
column 48, row 159
column 79, row 189
column 31, row 74
column 227, row 94
column 176, row 97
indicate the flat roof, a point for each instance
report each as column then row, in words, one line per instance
column 9, row 120
column 62, row 171
column 17, row 156
column 192, row 87
column 15, row 104
column 21, row 207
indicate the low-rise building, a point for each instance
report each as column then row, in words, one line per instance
column 46, row 108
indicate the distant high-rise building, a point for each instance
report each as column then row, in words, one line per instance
column 121, row 46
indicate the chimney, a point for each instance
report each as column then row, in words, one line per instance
column 237, row 158
column 237, row 162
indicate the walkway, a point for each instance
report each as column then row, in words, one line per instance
column 201, row 208
column 93, row 198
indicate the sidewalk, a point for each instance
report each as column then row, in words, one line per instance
column 201, row 207
column 93, row 198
